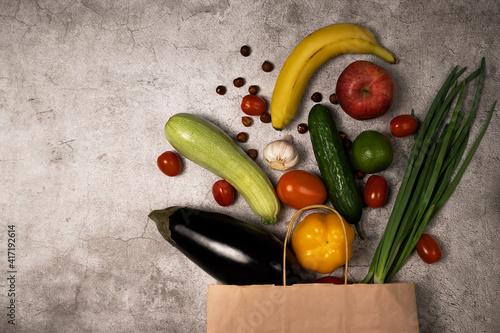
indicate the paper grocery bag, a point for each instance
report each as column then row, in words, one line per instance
column 312, row 307
column 317, row 308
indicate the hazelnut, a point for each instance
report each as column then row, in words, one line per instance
column 252, row 153
column 316, row 97
column 358, row 174
column 253, row 90
column 242, row 137
column 267, row 66
column 221, row 90
column 239, row 82
column 347, row 144
column 246, row 121
column 245, row 50
column 333, row 99
column 302, row 128
column 265, row 117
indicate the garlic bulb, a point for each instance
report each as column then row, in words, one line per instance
column 281, row 154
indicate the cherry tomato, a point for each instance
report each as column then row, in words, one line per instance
column 330, row 279
column 428, row 249
column 169, row 163
column 403, row 125
column 375, row 192
column 253, row 105
column 298, row 189
column 223, row 192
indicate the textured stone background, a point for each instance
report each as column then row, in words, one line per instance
column 86, row 87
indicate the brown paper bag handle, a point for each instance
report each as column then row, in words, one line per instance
column 289, row 232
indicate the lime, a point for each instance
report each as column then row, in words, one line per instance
column 371, row 152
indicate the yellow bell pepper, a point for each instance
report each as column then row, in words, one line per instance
column 319, row 242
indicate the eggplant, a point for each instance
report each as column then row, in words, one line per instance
column 230, row 250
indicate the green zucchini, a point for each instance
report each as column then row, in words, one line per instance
column 207, row 145
column 334, row 165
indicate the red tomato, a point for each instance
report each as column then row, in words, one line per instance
column 375, row 192
column 253, row 105
column 169, row 163
column 403, row 125
column 330, row 279
column 428, row 249
column 298, row 189
column 223, row 192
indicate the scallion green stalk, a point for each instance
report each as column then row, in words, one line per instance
column 428, row 181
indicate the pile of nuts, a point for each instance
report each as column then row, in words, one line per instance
column 253, row 89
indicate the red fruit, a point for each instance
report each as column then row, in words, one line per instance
column 223, row 192
column 253, row 105
column 330, row 279
column 169, row 163
column 403, row 125
column 375, row 191
column 428, row 249
column 365, row 90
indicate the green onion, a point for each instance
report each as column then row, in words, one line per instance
column 432, row 173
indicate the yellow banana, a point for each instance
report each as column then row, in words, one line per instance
column 314, row 50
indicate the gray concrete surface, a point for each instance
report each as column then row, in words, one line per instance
column 86, row 88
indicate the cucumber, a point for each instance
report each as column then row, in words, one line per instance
column 207, row 145
column 334, row 165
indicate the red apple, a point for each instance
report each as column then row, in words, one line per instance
column 365, row 90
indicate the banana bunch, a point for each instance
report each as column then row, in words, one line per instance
column 309, row 55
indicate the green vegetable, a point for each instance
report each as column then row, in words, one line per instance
column 208, row 146
column 334, row 165
column 428, row 181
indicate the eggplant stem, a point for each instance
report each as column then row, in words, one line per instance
column 162, row 219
